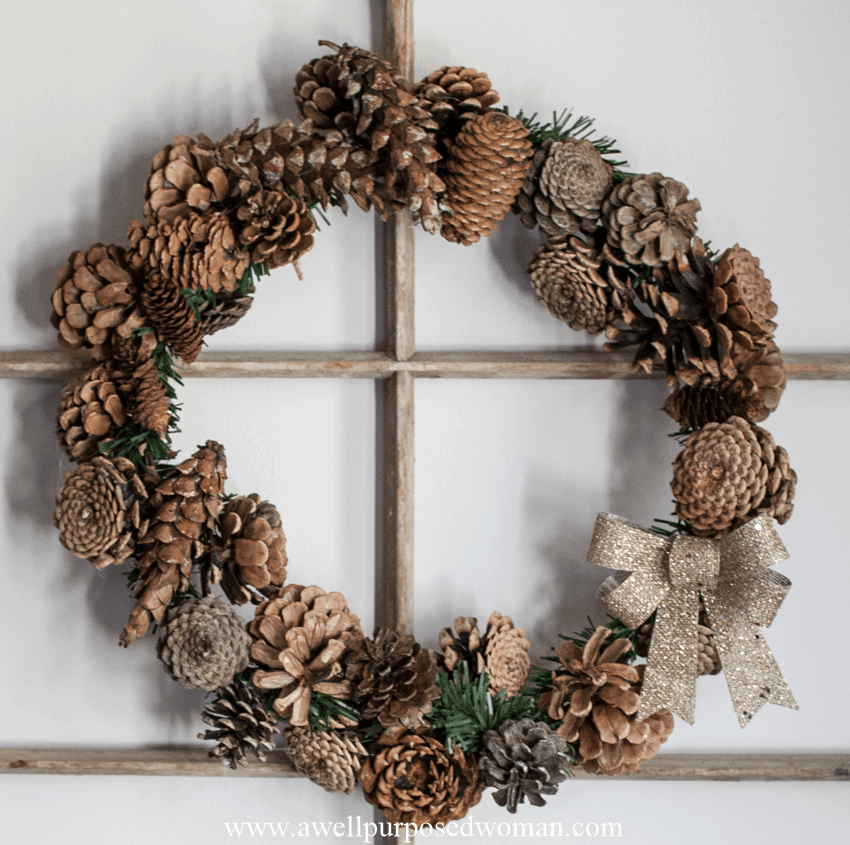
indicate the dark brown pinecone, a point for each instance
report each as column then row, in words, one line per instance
column 332, row 759
column 464, row 644
column 195, row 251
column 229, row 308
column 93, row 300
column 300, row 638
column 172, row 317
column 276, row 229
column 753, row 394
column 485, row 167
column 649, row 218
column 415, row 780
column 576, row 285
column 186, row 506
column 741, row 293
column 98, row 510
column 523, row 759
column 240, row 725
column 597, row 698
column 392, row 678
column 91, row 411
column 252, row 556
column 203, row 643
column 564, row 187
column 360, row 95
column 707, row 656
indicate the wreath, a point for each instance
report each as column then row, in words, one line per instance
column 425, row 732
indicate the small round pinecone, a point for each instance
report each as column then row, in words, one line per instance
column 203, row 643
column 91, row 411
column 485, row 168
column 97, row 510
column 94, row 298
column 464, row 644
column 332, row 759
column 448, row 93
column 506, row 658
column 781, row 479
column 741, row 291
column 253, row 555
column 650, row 218
column 229, row 308
column 567, row 277
column 392, row 678
column 276, row 228
column 417, row 781
column 300, row 638
column 522, row 759
column 240, row 724
column 564, row 187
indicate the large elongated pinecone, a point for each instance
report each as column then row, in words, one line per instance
column 98, row 510
column 91, row 411
column 729, row 473
column 362, row 96
column 187, row 504
column 301, row 636
column 577, row 285
column 172, row 317
column 93, row 300
column 332, row 759
column 753, row 394
column 417, row 781
column 203, row 643
column 502, row 652
column 253, row 551
column 485, row 167
column 240, row 725
column 650, row 218
column 597, row 698
column 564, row 187
column 392, row 678
column 525, row 759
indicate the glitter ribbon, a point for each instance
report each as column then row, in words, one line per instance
column 740, row 594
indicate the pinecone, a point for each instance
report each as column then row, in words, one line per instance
column 332, row 759
column 571, row 280
column 203, row 643
column 195, row 251
column 240, row 724
column 597, row 698
column 186, row 505
column 753, row 394
column 151, row 397
column 505, row 655
column 93, row 300
column 276, row 228
column 300, row 637
column 650, row 218
column 392, row 678
column 729, row 473
column 98, row 510
column 522, row 759
column 417, row 781
column 465, row 644
column 229, row 308
column 707, row 656
column 564, row 187
column 485, row 168
column 741, row 292
column 363, row 97
column 253, row 553
column 91, row 411
column 172, row 316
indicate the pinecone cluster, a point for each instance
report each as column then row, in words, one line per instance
column 502, row 652
column 596, row 697
column 729, row 473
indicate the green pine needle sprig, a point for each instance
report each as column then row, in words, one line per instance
column 323, row 708
column 677, row 526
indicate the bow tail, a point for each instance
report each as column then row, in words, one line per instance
column 670, row 676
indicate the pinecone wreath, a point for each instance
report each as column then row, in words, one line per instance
column 203, row 644
column 332, row 759
column 596, row 697
column 240, row 724
column 524, row 759
column 416, row 780
column 392, row 678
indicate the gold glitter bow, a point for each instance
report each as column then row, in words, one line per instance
column 740, row 594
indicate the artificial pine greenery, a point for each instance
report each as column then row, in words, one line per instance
column 323, row 708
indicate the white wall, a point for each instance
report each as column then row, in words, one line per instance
column 745, row 102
